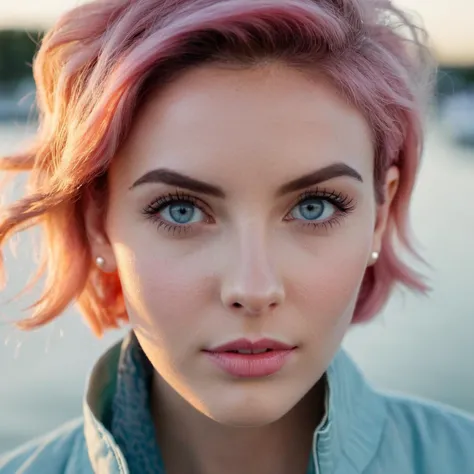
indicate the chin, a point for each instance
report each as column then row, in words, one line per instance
column 246, row 418
column 250, row 411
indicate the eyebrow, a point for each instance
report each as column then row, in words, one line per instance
column 335, row 170
column 173, row 178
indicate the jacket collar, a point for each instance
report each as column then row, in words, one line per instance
column 104, row 454
column 346, row 440
column 355, row 419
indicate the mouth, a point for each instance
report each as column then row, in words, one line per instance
column 245, row 346
column 250, row 351
column 246, row 359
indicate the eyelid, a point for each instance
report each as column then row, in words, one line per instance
column 343, row 204
column 167, row 199
column 342, row 201
column 153, row 209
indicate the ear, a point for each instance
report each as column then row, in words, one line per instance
column 94, row 209
column 392, row 181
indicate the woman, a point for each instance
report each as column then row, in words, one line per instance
column 230, row 178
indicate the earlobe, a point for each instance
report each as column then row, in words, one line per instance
column 105, row 266
column 100, row 262
column 94, row 219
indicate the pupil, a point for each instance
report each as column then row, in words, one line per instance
column 312, row 210
column 182, row 213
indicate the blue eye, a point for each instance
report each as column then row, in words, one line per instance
column 181, row 213
column 313, row 209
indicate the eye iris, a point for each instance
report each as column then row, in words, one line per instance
column 182, row 212
column 311, row 209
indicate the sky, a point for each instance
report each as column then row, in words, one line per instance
column 449, row 22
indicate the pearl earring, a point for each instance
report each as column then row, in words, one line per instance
column 100, row 262
column 375, row 256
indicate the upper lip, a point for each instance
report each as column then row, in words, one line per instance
column 246, row 344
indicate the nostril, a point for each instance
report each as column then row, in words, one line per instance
column 237, row 305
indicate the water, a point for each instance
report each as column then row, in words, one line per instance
column 423, row 346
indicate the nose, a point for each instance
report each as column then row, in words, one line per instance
column 252, row 284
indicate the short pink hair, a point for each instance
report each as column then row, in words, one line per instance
column 100, row 61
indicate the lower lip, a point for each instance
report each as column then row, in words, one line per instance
column 251, row 365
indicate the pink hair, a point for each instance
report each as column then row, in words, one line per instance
column 100, row 61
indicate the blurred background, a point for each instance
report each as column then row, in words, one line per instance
column 423, row 346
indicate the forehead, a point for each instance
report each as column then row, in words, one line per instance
column 214, row 122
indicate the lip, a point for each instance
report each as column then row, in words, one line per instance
column 251, row 365
column 246, row 344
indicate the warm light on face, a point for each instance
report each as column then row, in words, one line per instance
column 242, row 206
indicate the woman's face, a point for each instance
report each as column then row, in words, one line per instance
column 242, row 206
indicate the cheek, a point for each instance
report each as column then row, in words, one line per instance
column 328, row 279
column 160, row 290
column 341, row 275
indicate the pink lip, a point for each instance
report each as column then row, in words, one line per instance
column 246, row 344
column 251, row 365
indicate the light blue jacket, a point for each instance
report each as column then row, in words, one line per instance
column 364, row 432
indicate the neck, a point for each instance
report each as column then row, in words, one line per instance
column 193, row 443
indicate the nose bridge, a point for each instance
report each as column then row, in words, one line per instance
column 252, row 281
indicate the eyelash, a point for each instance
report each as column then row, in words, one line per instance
column 343, row 204
column 153, row 209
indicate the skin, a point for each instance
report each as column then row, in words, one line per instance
column 249, row 265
